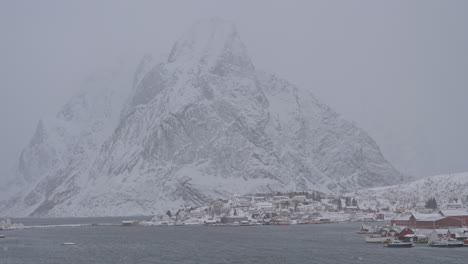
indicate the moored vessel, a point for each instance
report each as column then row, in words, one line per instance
column 446, row 242
column 378, row 239
column 365, row 228
column 395, row 243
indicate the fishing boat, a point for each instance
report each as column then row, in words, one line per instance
column 365, row 228
column 281, row 221
column 395, row 243
column 446, row 242
column 246, row 223
column 378, row 239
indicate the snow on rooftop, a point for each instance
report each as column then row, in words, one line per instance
column 419, row 216
column 402, row 218
column 431, row 218
column 457, row 212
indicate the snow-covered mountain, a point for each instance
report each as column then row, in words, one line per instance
column 445, row 188
column 202, row 124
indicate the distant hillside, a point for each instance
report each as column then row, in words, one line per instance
column 445, row 188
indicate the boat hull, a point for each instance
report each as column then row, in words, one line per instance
column 449, row 245
column 378, row 239
column 401, row 245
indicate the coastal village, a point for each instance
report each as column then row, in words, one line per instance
column 446, row 223
column 274, row 209
column 313, row 208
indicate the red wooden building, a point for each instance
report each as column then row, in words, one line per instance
column 428, row 221
column 438, row 222
column 462, row 215
column 402, row 220
column 404, row 232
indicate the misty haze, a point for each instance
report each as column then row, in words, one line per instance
column 234, row 132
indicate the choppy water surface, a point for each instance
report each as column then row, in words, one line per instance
column 326, row 243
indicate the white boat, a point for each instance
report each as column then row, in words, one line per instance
column 446, row 242
column 68, row 243
column 378, row 239
column 246, row 223
column 366, row 228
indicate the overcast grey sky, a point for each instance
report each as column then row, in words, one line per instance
column 399, row 69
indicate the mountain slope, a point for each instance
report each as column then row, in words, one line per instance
column 409, row 195
column 53, row 167
column 205, row 124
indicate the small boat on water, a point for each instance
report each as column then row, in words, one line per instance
column 68, row 243
column 2, row 236
column 246, row 223
column 395, row 243
column 365, row 228
column 129, row 223
column 446, row 242
column 378, row 239
column 281, row 221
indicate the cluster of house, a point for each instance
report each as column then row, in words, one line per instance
column 8, row 224
column 420, row 235
column 447, row 218
column 419, row 227
column 289, row 208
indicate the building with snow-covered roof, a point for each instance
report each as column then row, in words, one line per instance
column 280, row 198
column 327, row 201
column 438, row 222
column 232, row 219
column 351, row 209
column 402, row 220
column 427, row 221
column 264, row 206
column 454, row 206
column 299, row 198
column 461, row 234
column 460, row 214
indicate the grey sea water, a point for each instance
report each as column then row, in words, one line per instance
column 325, row 243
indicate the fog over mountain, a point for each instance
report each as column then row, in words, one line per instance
column 398, row 69
column 203, row 123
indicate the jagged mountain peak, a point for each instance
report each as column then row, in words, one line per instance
column 200, row 65
column 39, row 135
column 145, row 65
column 211, row 44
